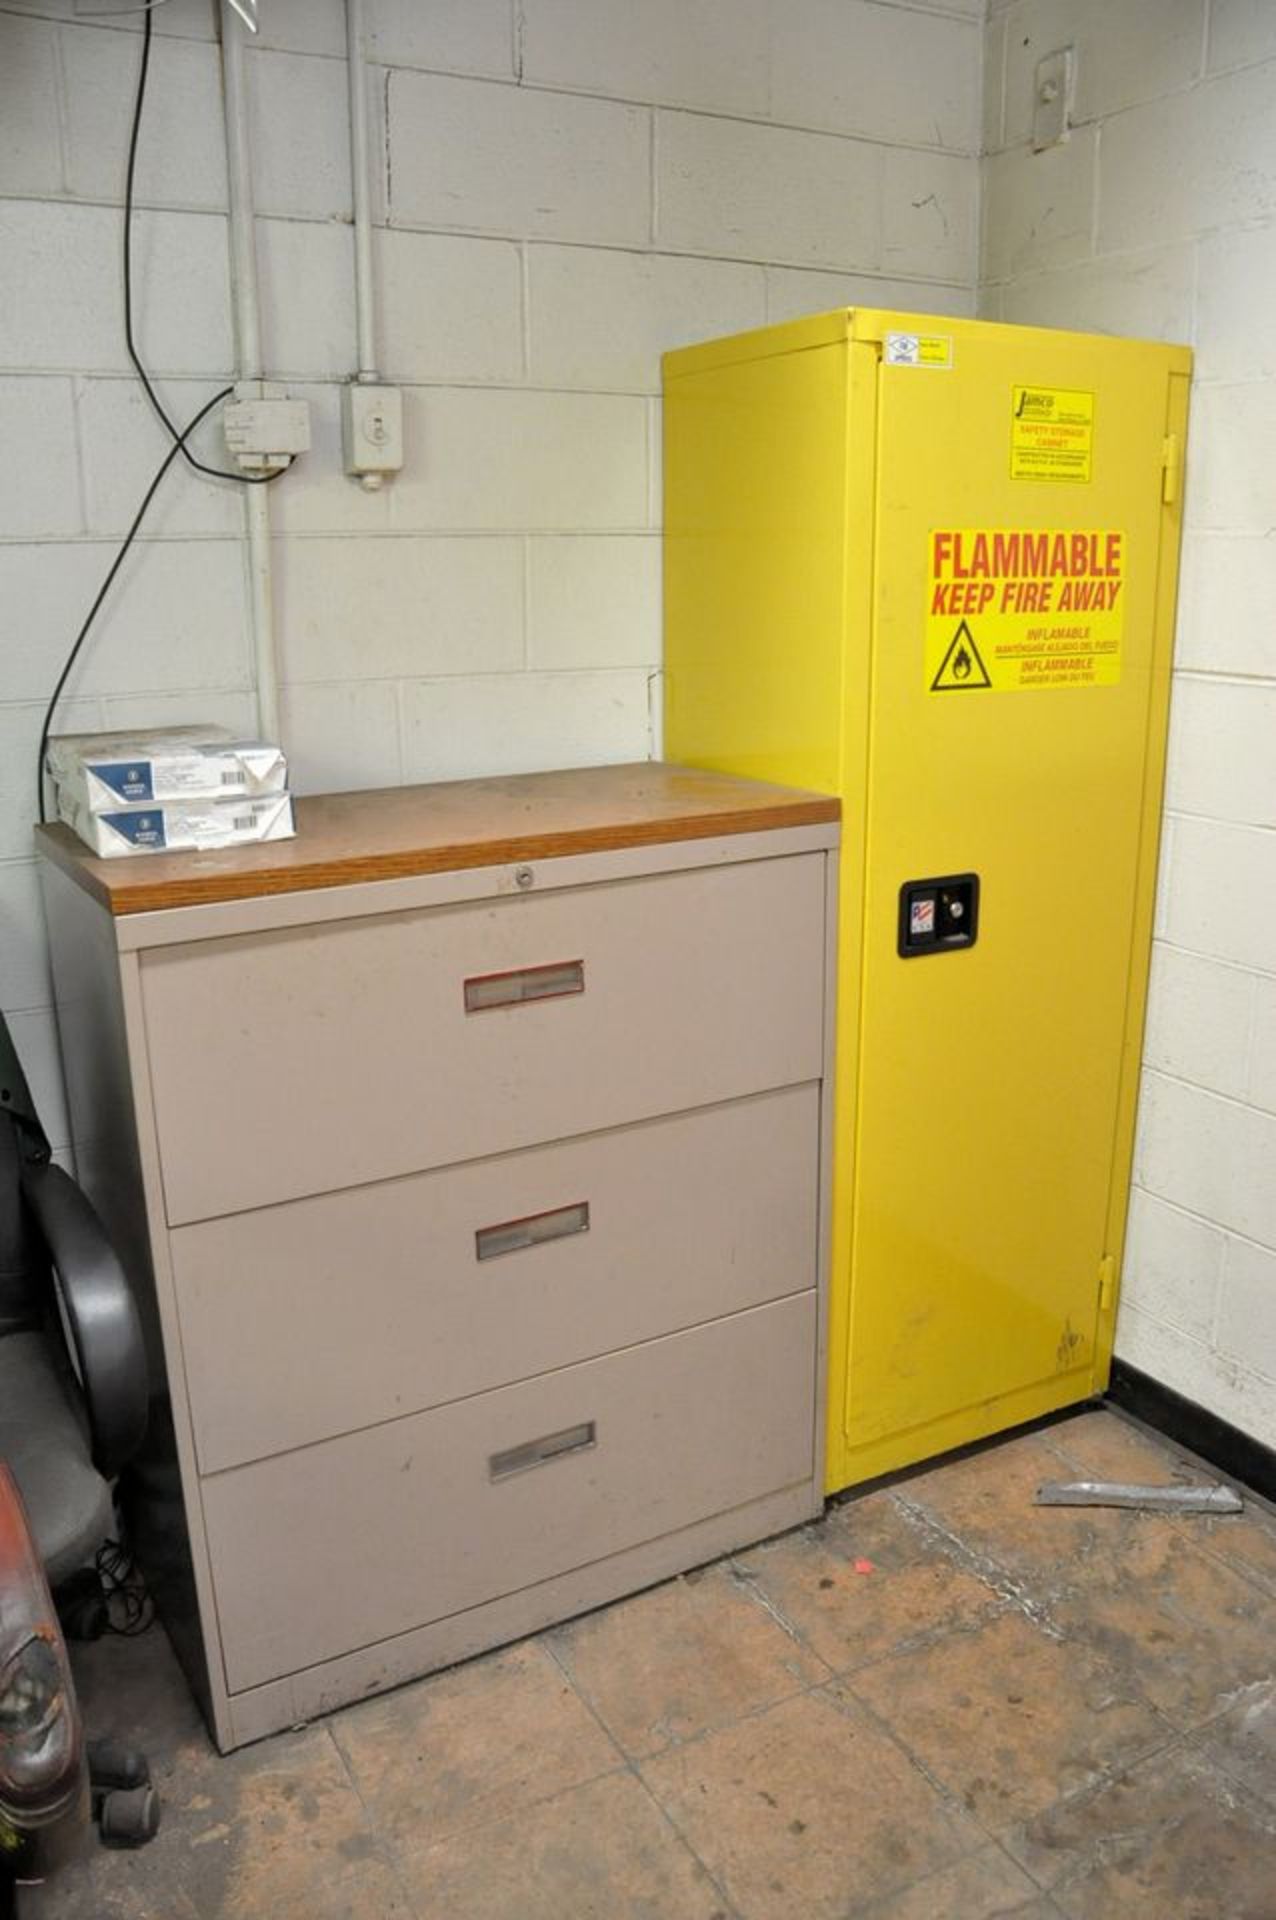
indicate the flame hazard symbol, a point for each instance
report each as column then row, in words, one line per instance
column 961, row 667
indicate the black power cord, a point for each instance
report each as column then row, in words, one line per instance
column 105, row 587
column 129, row 1607
column 200, row 466
column 180, row 436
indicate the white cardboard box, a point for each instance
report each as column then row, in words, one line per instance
column 102, row 772
column 180, row 825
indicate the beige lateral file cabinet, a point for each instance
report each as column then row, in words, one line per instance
column 470, row 1151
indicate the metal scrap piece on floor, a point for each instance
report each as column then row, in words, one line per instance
column 1117, row 1493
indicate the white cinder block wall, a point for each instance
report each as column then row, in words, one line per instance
column 567, row 187
column 1158, row 217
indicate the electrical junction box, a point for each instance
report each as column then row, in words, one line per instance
column 1052, row 99
column 372, row 430
column 930, row 565
column 265, row 430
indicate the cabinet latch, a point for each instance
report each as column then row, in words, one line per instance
column 1171, row 469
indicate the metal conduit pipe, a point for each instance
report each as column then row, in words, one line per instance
column 364, row 290
column 243, row 259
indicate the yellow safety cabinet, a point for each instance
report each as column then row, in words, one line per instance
column 930, row 565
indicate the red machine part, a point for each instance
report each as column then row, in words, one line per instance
column 41, row 1741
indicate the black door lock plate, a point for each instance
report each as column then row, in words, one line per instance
column 938, row 916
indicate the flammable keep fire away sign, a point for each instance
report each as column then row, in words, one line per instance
column 1015, row 609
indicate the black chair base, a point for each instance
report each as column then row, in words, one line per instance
column 125, row 1804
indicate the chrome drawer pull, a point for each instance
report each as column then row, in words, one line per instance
column 535, row 1453
column 511, row 1236
column 484, row 990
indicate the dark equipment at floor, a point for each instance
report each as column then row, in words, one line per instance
column 73, row 1412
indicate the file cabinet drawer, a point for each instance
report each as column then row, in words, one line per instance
column 311, row 1059
column 448, row 1283
column 358, row 1539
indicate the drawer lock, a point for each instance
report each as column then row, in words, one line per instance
column 484, row 990
column 537, row 1453
column 511, row 1236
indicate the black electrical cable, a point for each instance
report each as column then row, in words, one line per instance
column 129, row 1607
column 200, row 466
column 179, row 437
column 176, row 448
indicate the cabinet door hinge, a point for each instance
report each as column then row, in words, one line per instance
column 1171, row 468
column 1107, row 1283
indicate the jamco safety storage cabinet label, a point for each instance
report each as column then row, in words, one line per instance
column 877, row 526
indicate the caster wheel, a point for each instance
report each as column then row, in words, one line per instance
column 112, row 1764
column 129, row 1817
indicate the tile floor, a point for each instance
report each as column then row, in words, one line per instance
column 939, row 1703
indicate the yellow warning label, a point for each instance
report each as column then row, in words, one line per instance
column 1010, row 609
column 1051, row 434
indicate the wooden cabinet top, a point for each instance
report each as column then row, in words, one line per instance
column 395, row 832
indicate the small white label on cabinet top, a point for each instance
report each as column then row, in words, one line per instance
column 919, row 350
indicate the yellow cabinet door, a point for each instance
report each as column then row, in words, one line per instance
column 931, row 565
column 1017, row 567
